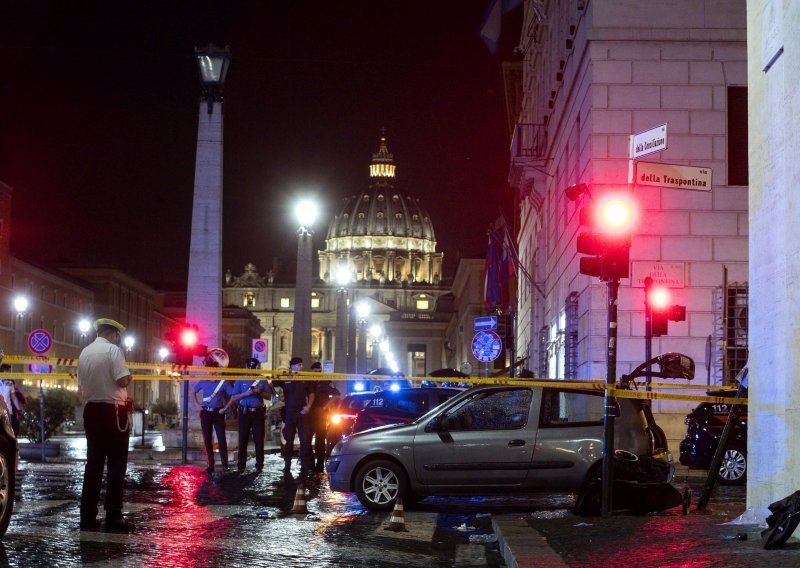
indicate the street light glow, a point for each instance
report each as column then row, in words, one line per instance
column 21, row 304
column 343, row 276
column 306, row 213
column 376, row 331
column 129, row 342
column 84, row 326
column 362, row 309
column 163, row 352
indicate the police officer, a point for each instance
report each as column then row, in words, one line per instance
column 250, row 397
column 325, row 396
column 103, row 378
column 298, row 400
column 214, row 394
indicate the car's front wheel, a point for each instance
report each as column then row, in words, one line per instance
column 379, row 483
column 733, row 470
column 7, row 474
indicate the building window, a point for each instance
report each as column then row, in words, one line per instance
column 314, row 300
column 283, row 343
column 249, row 300
column 729, row 339
column 284, row 302
column 555, row 348
column 423, row 304
column 738, row 170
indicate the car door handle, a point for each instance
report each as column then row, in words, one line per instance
column 516, row 443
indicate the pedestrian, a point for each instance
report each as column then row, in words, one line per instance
column 103, row 378
column 250, row 397
column 214, row 397
column 14, row 399
column 326, row 396
column 298, row 400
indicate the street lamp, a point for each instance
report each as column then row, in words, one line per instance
column 376, row 331
column 340, row 355
column 163, row 353
column 362, row 310
column 21, row 305
column 84, row 326
column 129, row 342
column 203, row 298
column 305, row 213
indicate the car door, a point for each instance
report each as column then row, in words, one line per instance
column 483, row 439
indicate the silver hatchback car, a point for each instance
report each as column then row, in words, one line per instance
column 497, row 439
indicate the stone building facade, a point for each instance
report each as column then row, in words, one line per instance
column 594, row 72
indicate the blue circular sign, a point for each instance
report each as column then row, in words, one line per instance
column 40, row 341
column 486, row 346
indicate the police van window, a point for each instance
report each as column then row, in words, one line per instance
column 412, row 402
column 492, row 410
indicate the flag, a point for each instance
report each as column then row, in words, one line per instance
column 500, row 267
column 493, row 21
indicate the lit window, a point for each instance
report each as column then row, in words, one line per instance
column 249, row 300
column 284, row 302
column 314, row 302
column 423, row 304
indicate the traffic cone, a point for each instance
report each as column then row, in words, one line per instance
column 398, row 521
column 300, row 500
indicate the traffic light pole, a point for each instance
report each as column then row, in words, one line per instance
column 648, row 329
column 608, row 417
column 185, row 420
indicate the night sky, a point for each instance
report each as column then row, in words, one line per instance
column 98, row 123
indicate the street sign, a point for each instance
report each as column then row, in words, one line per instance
column 40, row 341
column 649, row 142
column 485, row 322
column 486, row 346
column 673, row 175
column 666, row 274
column 260, row 350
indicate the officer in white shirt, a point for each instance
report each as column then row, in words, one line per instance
column 103, row 378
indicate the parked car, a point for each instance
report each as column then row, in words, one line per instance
column 447, row 373
column 492, row 439
column 703, row 430
column 403, row 405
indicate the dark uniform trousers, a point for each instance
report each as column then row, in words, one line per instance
column 300, row 424
column 251, row 419
column 319, row 429
column 104, row 441
column 213, row 419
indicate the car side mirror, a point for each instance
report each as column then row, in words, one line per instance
column 433, row 425
column 677, row 365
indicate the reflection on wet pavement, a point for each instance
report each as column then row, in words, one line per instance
column 186, row 517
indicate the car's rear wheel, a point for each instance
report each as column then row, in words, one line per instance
column 733, row 470
column 7, row 474
column 379, row 483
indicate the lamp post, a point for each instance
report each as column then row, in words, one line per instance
column 362, row 310
column 84, row 325
column 340, row 354
column 306, row 214
column 376, row 332
column 204, row 300
column 21, row 305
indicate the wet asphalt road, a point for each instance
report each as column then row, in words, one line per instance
column 186, row 517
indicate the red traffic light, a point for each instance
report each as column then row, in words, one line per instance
column 611, row 223
column 663, row 312
column 659, row 298
column 189, row 337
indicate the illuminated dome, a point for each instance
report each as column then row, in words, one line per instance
column 380, row 229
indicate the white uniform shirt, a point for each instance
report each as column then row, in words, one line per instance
column 100, row 365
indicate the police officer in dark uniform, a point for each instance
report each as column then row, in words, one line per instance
column 298, row 400
column 213, row 398
column 250, row 395
column 324, row 394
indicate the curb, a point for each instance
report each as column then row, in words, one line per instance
column 514, row 534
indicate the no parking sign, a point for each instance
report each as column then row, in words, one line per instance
column 261, row 350
column 40, row 341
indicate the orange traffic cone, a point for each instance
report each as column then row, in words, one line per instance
column 300, row 500
column 398, row 521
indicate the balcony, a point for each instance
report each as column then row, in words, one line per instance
column 529, row 141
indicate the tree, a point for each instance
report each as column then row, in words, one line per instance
column 59, row 407
column 164, row 409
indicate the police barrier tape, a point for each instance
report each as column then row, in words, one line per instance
column 176, row 372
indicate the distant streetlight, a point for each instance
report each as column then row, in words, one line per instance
column 21, row 305
column 362, row 310
column 163, row 353
column 343, row 277
column 306, row 214
column 84, row 326
column 129, row 342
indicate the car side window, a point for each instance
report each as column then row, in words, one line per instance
column 570, row 408
column 491, row 410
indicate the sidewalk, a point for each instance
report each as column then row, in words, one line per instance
column 551, row 539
